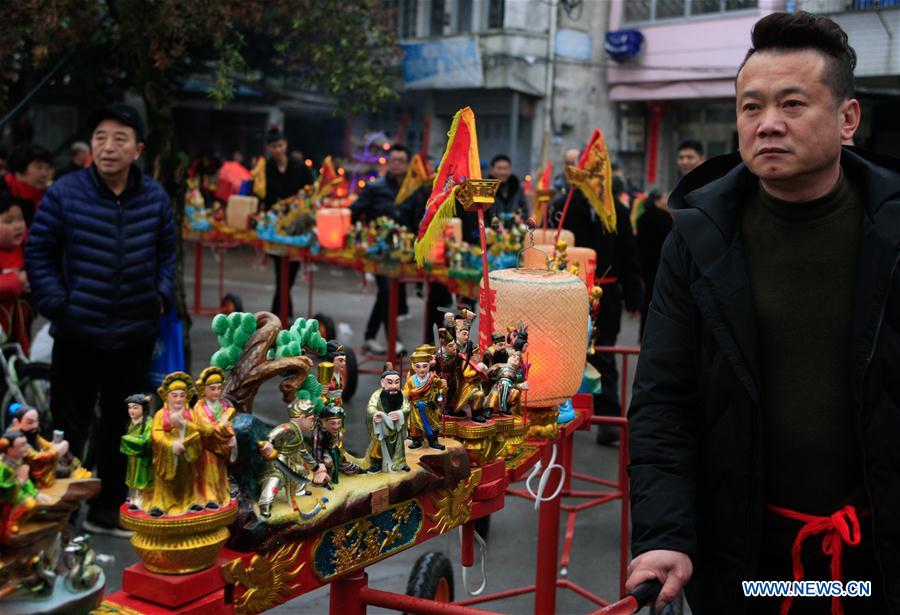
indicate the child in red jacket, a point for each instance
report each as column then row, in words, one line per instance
column 14, row 312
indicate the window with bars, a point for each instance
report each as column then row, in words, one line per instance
column 464, row 16
column 652, row 10
column 496, row 10
column 404, row 13
column 438, row 17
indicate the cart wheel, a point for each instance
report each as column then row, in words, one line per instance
column 431, row 578
column 352, row 378
column 326, row 326
column 483, row 526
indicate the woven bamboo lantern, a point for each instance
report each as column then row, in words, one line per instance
column 332, row 225
column 587, row 263
column 548, row 236
column 585, row 257
column 554, row 307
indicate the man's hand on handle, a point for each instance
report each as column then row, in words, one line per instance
column 671, row 568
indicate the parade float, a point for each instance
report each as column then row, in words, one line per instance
column 232, row 515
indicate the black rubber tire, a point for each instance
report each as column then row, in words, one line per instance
column 483, row 526
column 427, row 574
column 326, row 326
column 38, row 374
column 352, row 379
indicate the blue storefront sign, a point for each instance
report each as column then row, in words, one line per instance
column 442, row 64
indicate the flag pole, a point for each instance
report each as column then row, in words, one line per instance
column 478, row 194
column 488, row 308
column 562, row 218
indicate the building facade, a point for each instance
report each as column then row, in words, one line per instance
column 532, row 70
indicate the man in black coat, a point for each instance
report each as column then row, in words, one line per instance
column 375, row 200
column 619, row 275
column 285, row 177
column 653, row 227
column 765, row 422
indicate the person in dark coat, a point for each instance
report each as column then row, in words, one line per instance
column 100, row 259
column 376, row 199
column 618, row 274
column 510, row 198
column 765, row 420
column 412, row 212
column 285, row 177
column 79, row 155
column 510, row 195
column 652, row 229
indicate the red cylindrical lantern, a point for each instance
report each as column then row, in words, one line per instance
column 332, row 225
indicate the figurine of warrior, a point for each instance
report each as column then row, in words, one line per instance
column 465, row 345
column 387, row 417
column 135, row 444
column 212, row 417
column 18, row 495
column 176, row 445
column 47, row 460
column 334, row 388
column 290, row 461
column 497, row 352
column 463, row 378
column 505, row 396
column 425, row 392
column 518, row 339
column 328, row 447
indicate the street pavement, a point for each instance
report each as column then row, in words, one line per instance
column 512, row 540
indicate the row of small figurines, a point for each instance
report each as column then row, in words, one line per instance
column 30, row 464
column 177, row 461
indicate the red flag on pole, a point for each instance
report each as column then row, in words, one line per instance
column 460, row 162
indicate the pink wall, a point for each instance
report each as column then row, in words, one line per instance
column 714, row 46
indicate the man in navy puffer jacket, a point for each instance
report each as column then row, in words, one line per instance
column 101, row 261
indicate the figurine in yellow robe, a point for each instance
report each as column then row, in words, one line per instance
column 176, row 447
column 425, row 391
column 212, row 417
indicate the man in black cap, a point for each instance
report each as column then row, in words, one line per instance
column 101, row 263
column 285, row 177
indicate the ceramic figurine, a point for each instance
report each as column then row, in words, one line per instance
column 177, row 446
column 425, row 391
column 18, row 494
column 135, row 444
column 505, row 396
column 463, row 378
column 334, row 389
column 497, row 352
column 212, row 417
column 47, row 460
column 83, row 571
column 387, row 416
column 328, row 447
column 463, row 326
column 291, row 465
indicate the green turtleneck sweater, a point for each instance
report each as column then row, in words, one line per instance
column 801, row 260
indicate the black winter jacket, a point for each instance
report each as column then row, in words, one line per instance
column 99, row 264
column 695, row 430
column 375, row 200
